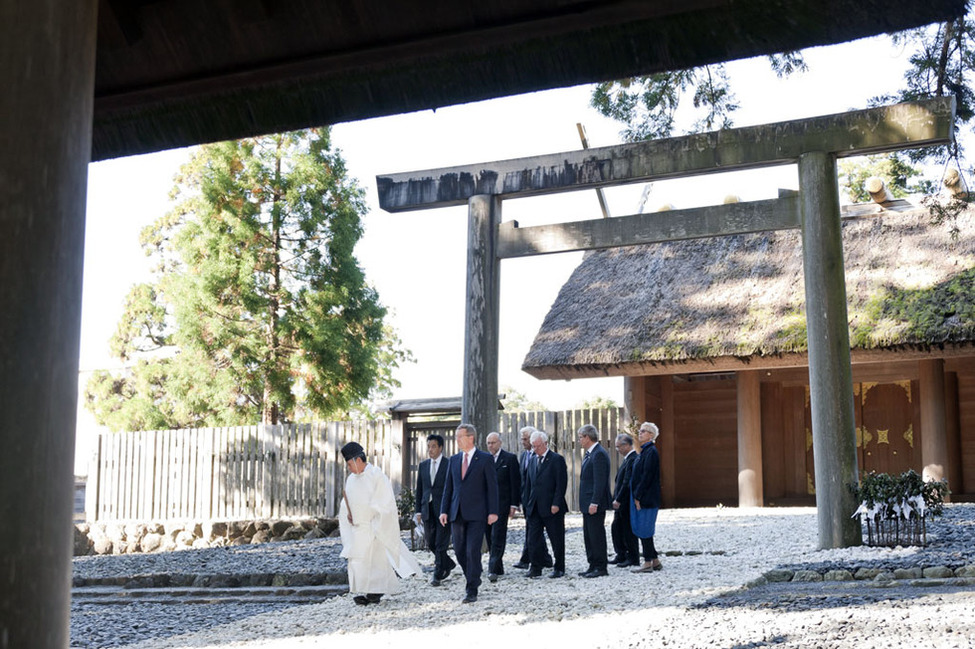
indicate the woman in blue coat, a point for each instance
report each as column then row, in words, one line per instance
column 645, row 495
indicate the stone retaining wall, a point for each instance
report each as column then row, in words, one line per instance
column 130, row 538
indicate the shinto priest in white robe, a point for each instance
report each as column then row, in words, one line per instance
column 372, row 544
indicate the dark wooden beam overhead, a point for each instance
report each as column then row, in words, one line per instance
column 171, row 73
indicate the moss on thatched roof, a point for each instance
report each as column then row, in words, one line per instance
column 909, row 284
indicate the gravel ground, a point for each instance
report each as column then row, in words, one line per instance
column 698, row 600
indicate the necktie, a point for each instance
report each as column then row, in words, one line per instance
column 433, row 477
column 463, row 469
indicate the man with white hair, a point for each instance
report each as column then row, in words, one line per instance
column 524, row 462
column 545, row 505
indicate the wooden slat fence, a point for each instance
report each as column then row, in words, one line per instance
column 295, row 470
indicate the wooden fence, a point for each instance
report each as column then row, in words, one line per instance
column 296, row 470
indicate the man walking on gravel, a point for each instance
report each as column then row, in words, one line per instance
column 369, row 526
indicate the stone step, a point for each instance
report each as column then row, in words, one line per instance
column 116, row 595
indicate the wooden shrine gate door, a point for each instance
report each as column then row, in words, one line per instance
column 887, row 427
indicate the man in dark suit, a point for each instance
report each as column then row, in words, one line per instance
column 545, row 505
column 593, row 500
column 525, row 460
column 509, row 497
column 431, row 476
column 624, row 540
column 470, row 503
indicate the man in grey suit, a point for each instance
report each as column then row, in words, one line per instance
column 431, row 476
column 624, row 540
column 594, row 500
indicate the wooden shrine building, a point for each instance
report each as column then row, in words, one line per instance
column 711, row 337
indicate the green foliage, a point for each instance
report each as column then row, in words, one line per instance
column 405, row 502
column 516, row 401
column 895, row 172
column 895, row 507
column 598, row 403
column 648, row 104
column 941, row 57
column 905, row 315
column 259, row 309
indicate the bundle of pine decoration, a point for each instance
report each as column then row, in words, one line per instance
column 895, row 508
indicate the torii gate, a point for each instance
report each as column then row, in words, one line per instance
column 814, row 144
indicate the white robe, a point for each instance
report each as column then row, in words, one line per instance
column 372, row 544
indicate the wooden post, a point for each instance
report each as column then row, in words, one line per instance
column 480, row 401
column 934, row 436
column 750, row 486
column 634, row 401
column 830, row 373
column 668, row 446
column 47, row 72
column 953, row 432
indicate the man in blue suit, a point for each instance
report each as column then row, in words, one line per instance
column 470, row 503
column 594, row 500
column 545, row 506
column 431, row 476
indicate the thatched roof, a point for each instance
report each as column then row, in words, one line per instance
column 730, row 301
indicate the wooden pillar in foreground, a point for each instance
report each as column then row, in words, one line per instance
column 47, row 72
column 830, row 372
column 934, row 436
column 750, row 489
column 480, row 400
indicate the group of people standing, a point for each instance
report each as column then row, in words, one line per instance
column 470, row 497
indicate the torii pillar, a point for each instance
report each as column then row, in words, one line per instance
column 47, row 72
column 479, row 405
column 828, row 339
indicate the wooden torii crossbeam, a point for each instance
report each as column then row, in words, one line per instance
column 813, row 144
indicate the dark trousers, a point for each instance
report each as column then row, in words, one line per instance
column 594, row 535
column 625, row 543
column 468, row 537
column 497, row 539
column 526, row 553
column 438, row 540
column 649, row 552
column 554, row 527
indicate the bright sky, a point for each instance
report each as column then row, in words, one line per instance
column 417, row 260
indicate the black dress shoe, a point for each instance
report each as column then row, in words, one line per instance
column 616, row 560
column 374, row 597
column 534, row 574
column 522, row 565
column 434, row 582
column 597, row 572
column 626, row 564
column 585, row 572
column 361, row 600
column 492, row 577
column 556, row 574
column 469, row 599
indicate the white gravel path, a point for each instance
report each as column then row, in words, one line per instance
column 625, row 609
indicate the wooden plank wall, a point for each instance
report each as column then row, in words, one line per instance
column 966, row 418
column 231, row 473
column 705, row 442
column 282, row 471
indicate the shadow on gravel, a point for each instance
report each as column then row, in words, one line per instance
column 96, row 626
column 792, row 597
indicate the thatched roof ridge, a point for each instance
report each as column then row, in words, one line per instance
column 909, row 284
